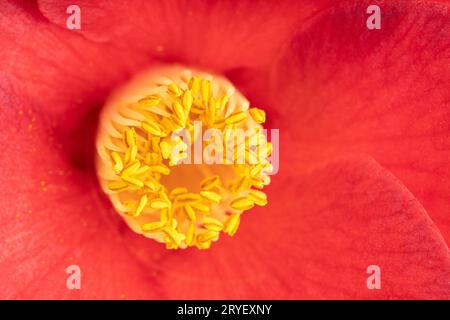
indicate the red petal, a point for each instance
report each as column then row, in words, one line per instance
column 381, row 92
column 53, row 216
column 217, row 35
column 60, row 70
column 316, row 239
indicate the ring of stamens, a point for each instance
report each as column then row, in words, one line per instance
column 137, row 154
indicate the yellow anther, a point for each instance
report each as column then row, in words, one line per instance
column 188, row 197
column 174, row 90
column 159, row 204
column 212, row 224
column 152, row 184
column 174, row 236
column 160, row 168
column 223, row 102
column 187, row 100
column 242, row 204
column 155, row 142
column 232, row 224
column 130, row 137
column 166, row 149
column 179, row 111
column 200, row 207
column 256, row 170
column 190, row 236
column 236, row 117
column 117, row 185
column 210, row 183
column 258, row 115
column 165, row 215
column 203, row 245
column 210, row 195
column 133, row 153
column 190, row 213
column 142, row 170
column 153, row 226
column 195, row 86
column 131, row 169
column 211, row 113
column 198, row 107
column 150, row 101
column 258, row 197
column 177, row 191
column 206, row 90
column 141, row 205
column 118, row 164
column 133, row 181
column 269, row 148
column 207, row 236
column 153, row 128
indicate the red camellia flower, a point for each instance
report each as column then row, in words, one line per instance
column 363, row 187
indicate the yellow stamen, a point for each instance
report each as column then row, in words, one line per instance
column 159, row 204
column 210, row 182
column 142, row 203
column 258, row 115
column 236, row 118
column 242, row 204
column 212, row 224
column 117, row 185
column 140, row 157
column 150, row 101
column 153, row 128
column 153, row 226
column 210, row 195
column 118, row 164
column 232, row 224
column 190, row 212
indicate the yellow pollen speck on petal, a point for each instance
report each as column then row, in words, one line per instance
column 149, row 128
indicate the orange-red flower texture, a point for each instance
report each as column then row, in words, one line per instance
column 364, row 119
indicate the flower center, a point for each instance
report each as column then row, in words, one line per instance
column 181, row 156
